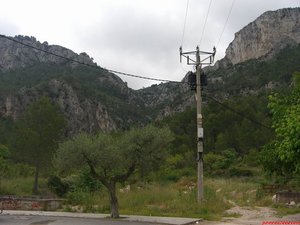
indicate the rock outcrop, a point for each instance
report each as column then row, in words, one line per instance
column 82, row 114
column 267, row 35
column 14, row 55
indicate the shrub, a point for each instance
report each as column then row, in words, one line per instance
column 56, row 185
column 240, row 172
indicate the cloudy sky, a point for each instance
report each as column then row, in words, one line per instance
column 134, row 36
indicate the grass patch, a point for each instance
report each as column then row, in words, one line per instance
column 180, row 199
column 172, row 199
column 168, row 199
column 283, row 210
column 22, row 186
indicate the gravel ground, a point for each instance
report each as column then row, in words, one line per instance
column 255, row 216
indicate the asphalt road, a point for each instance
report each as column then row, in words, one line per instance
column 45, row 220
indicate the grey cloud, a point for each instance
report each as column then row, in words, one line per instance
column 8, row 28
column 139, row 41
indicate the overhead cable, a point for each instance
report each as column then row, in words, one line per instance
column 230, row 10
column 185, row 19
column 205, row 22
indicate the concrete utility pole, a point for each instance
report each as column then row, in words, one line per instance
column 200, row 134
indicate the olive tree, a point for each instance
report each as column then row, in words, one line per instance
column 113, row 158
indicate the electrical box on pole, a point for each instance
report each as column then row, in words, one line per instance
column 196, row 81
column 192, row 80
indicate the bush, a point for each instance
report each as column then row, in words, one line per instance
column 56, row 185
column 219, row 163
column 252, row 158
column 240, row 172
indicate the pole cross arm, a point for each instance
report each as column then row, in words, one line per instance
column 209, row 56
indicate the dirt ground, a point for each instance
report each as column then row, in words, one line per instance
column 254, row 216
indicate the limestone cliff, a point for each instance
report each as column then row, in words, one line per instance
column 267, row 35
column 82, row 114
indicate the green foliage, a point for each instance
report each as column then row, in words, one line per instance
column 6, row 125
column 56, row 185
column 114, row 158
column 222, row 163
column 37, row 133
column 228, row 137
column 142, row 148
column 226, row 129
column 79, row 197
column 255, row 74
column 252, row 158
column 94, row 84
column 4, row 152
column 16, row 170
column 21, row 186
column 240, row 171
column 86, row 182
column 281, row 156
column 175, row 199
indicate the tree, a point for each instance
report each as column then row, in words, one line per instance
column 36, row 135
column 113, row 158
column 282, row 155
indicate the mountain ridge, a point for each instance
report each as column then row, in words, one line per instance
column 264, row 37
column 97, row 100
column 14, row 55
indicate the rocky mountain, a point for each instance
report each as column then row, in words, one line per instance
column 266, row 36
column 14, row 55
column 263, row 56
column 88, row 97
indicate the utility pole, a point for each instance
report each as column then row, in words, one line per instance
column 200, row 134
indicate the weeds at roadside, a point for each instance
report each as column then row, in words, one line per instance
column 165, row 199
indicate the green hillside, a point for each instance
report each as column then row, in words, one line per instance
column 255, row 74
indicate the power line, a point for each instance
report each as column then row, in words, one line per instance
column 86, row 64
column 185, row 18
column 143, row 77
column 205, row 22
column 232, row 4
column 239, row 113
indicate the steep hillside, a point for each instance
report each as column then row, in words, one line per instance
column 91, row 98
column 255, row 75
column 266, row 36
column 94, row 99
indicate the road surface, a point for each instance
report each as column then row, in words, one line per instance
column 45, row 220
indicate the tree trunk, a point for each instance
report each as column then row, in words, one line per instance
column 114, row 206
column 35, row 189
